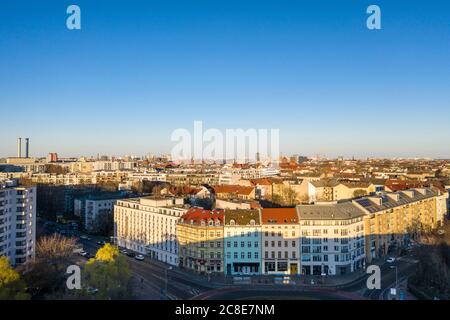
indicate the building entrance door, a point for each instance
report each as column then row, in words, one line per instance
column 293, row 268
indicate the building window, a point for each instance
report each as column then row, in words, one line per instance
column 269, row 266
column 282, row 266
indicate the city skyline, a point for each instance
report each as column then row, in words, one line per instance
column 132, row 75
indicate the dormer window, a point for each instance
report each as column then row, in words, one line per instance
column 211, row 222
column 217, row 222
column 252, row 222
column 232, row 222
column 203, row 223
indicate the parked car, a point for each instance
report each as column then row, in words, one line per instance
column 130, row 254
column 123, row 251
column 101, row 243
column 390, row 260
column 91, row 290
column 139, row 257
column 83, row 253
column 85, row 237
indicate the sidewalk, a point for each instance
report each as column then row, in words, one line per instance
column 402, row 294
column 220, row 280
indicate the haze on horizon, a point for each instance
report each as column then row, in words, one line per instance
column 141, row 69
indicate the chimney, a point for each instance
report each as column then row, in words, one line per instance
column 27, row 144
column 19, row 147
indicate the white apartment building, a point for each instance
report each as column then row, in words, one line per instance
column 93, row 207
column 332, row 238
column 247, row 173
column 229, row 178
column 147, row 176
column 280, row 241
column 148, row 225
column 114, row 165
column 17, row 222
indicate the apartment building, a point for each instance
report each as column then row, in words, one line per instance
column 242, row 242
column 280, row 239
column 17, row 221
column 94, row 208
column 237, row 204
column 332, row 238
column 63, row 179
column 234, row 191
column 333, row 190
column 149, row 226
column 391, row 219
column 113, row 165
column 200, row 236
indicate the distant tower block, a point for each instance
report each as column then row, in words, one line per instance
column 19, row 147
column 27, row 147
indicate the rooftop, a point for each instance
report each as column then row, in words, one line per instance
column 394, row 199
column 242, row 217
column 342, row 210
column 279, row 216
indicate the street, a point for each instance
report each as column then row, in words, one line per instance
column 153, row 273
column 154, row 280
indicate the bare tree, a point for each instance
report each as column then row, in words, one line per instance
column 46, row 274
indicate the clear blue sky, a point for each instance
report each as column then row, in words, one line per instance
column 140, row 69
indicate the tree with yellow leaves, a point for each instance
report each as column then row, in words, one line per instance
column 108, row 273
column 11, row 286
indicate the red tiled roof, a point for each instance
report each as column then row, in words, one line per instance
column 196, row 215
column 398, row 185
column 279, row 216
column 261, row 181
column 233, row 189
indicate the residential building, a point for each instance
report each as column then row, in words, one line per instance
column 234, row 191
column 17, row 222
column 148, row 225
column 200, row 235
column 96, row 207
column 242, row 242
column 280, row 239
column 332, row 238
column 391, row 219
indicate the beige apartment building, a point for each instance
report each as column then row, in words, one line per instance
column 391, row 219
column 201, row 235
column 333, row 190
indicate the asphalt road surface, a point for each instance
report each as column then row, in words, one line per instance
column 152, row 276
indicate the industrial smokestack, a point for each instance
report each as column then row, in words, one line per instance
column 27, row 147
column 19, row 147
